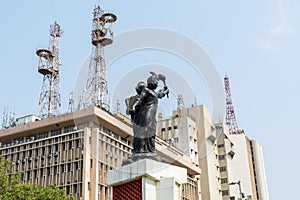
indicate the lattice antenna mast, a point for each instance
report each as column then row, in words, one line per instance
column 8, row 118
column 96, row 91
column 50, row 101
column 230, row 114
column 4, row 118
column 71, row 102
column 180, row 102
column 118, row 105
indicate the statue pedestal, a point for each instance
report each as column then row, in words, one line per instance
column 147, row 180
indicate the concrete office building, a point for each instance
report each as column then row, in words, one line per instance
column 224, row 159
column 76, row 150
column 192, row 131
column 181, row 133
column 249, row 158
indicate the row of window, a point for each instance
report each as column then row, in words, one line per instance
column 38, row 136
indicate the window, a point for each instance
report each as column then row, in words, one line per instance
column 223, row 169
column 224, row 180
column 64, row 146
column 123, row 140
column 56, row 147
column 175, row 127
column 225, row 192
column 68, row 128
column 48, row 171
column 116, row 136
column 78, row 143
column 76, row 165
column 68, row 190
column 55, row 170
column 55, row 132
column 42, row 135
column 176, row 140
column 220, row 145
column 164, row 136
column 222, row 157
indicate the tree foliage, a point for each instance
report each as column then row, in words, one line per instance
column 12, row 188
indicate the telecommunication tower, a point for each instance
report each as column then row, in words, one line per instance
column 50, row 102
column 96, row 90
column 230, row 115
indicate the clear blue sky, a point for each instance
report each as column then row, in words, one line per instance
column 256, row 43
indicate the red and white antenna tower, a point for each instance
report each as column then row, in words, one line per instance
column 230, row 115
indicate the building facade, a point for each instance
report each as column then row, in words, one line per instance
column 75, row 151
column 252, row 178
column 181, row 133
column 231, row 165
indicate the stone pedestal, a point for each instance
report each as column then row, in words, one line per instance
column 147, row 180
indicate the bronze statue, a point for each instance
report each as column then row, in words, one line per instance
column 142, row 109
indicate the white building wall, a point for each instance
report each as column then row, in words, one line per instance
column 206, row 138
column 180, row 132
column 261, row 179
column 240, row 166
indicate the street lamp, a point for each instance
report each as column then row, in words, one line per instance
column 240, row 190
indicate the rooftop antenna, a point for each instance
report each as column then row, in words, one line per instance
column 102, row 35
column 8, row 119
column 71, row 102
column 160, row 116
column 12, row 121
column 4, row 118
column 118, row 105
column 180, row 102
column 195, row 101
column 48, row 66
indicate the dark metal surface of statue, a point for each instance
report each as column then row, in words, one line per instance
column 142, row 109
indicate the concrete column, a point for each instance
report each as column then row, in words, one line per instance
column 94, row 164
column 86, row 164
